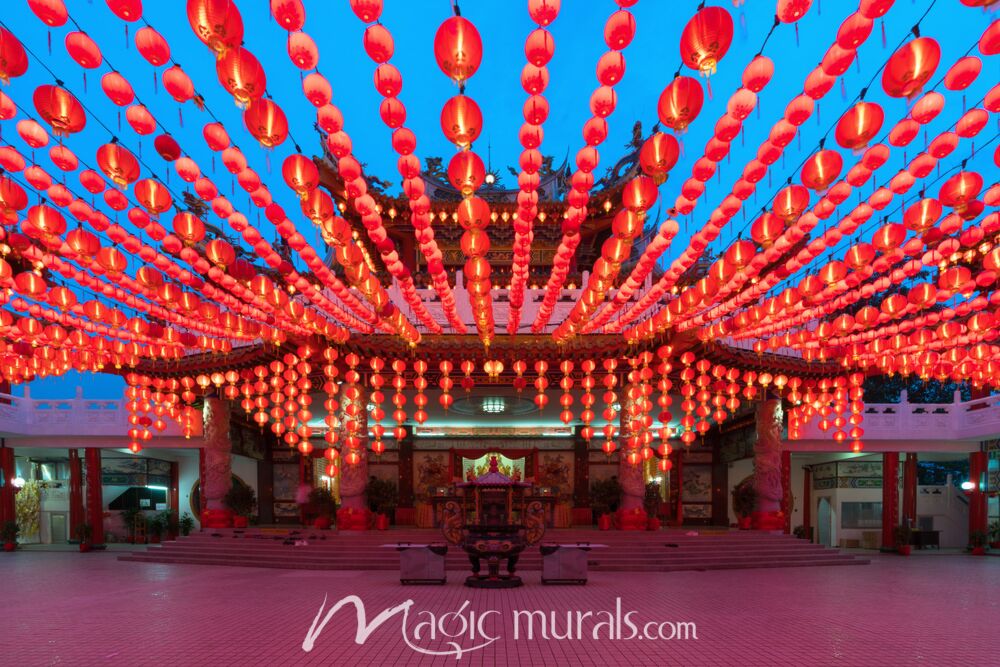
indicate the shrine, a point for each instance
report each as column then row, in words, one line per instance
column 499, row 295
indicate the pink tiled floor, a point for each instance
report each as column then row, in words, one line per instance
column 76, row 609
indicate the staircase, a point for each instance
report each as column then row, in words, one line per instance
column 659, row 551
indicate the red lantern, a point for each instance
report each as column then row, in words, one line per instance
column 167, row 147
column 706, row 39
column 126, row 10
column 178, row 84
column 301, row 174
column 859, row 125
column 220, row 253
column 32, row 133
column 461, row 120
column 758, row 73
column 790, row 11
column 83, row 50
column 267, row 123
column 963, row 73
column 911, row 67
column 241, row 74
column 140, row 119
column 658, row 155
column 152, row 46
column 118, row 164
column 51, row 12
column 216, row 136
column 117, row 89
column 790, row 202
column 680, row 103
column 60, row 109
column 960, row 190
column 153, row 196
column 217, row 23
column 367, row 10
column 302, row 51
column 821, row 170
column 458, row 48
column 290, row 14
column 13, row 59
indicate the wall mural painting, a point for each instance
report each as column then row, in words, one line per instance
column 286, row 481
column 430, row 469
column 473, row 468
column 702, row 511
column 697, row 484
column 555, row 469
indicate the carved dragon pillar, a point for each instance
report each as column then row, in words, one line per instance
column 218, row 474
column 767, row 466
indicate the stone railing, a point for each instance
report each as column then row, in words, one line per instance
column 79, row 416
column 978, row 419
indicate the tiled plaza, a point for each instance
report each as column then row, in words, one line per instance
column 75, row 609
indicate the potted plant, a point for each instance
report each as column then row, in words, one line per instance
column 154, row 528
column 995, row 535
column 83, row 534
column 799, row 532
column 977, row 542
column 382, row 499
column 605, row 494
column 903, row 535
column 324, row 507
column 651, row 503
column 186, row 524
column 128, row 518
column 240, row 499
column 744, row 502
column 169, row 520
column 9, row 535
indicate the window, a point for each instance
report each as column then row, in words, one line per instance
column 861, row 515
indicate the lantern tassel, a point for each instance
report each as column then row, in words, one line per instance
column 843, row 89
column 155, row 89
column 884, row 43
column 119, row 120
column 180, row 116
column 126, row 36
column 708, row 85
column 84, row 81
column 796, row 34
column 50, row 42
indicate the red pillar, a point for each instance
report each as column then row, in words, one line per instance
column 807, row 501
column 679, row 476
column 76, row 513
column 201, row 482
column 7, row 511
column 978, row 517
column 302, row 480
column 786, row 488
column 174, row 496
column 95, row 496
column 890, row 498
column 909, row 507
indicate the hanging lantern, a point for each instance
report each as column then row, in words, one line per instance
column 241, row 74
column 822, row 169
column 83, row 50
column 13, row 59
column 859, row 125
column 458, row 48
column 267, row 123
column 301, row 174
column 680, row 103
column 153, row 196
column 152, row 46
column 217, row 23
column 909, row 68
column 118, row 164
column 60, row 109
column 706, row 39
column 658, row 155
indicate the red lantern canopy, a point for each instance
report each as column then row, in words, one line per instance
column 60, row 109
column 458, row 48
column 911, row 67
column 217, row 23
column 680, row 103
column 706, row 39
column 267, row 123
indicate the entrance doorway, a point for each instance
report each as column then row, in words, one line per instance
column 824, row 522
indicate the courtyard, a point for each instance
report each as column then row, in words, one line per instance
column 73, row 609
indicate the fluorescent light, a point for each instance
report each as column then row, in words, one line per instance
column 156, row 488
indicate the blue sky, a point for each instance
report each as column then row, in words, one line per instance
column 651, row 60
